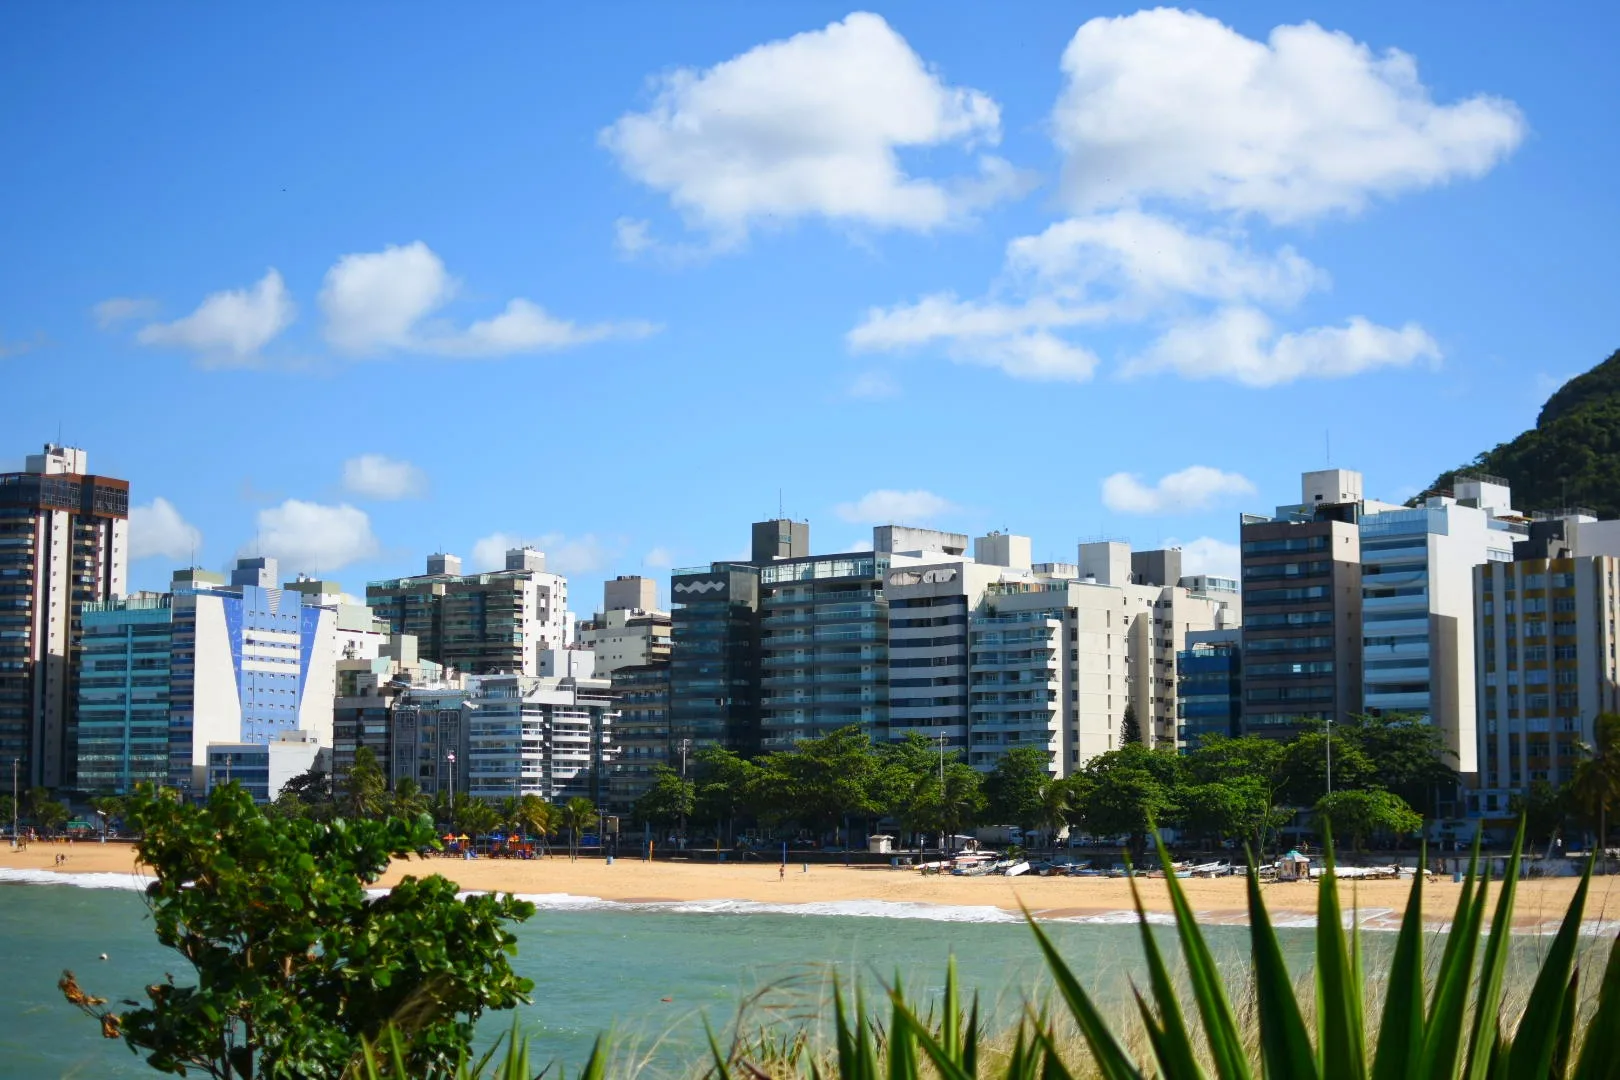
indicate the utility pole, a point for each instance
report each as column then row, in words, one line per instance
column 14, row 763
column 1330, row 755
column 943, row 829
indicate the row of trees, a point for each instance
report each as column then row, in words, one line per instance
column 35, row 807
column 364, row 795
column 1242, row 789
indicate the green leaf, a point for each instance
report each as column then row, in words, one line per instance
column 1488, row 1000
column 1285, row 1048
column 1600, row 1055
column 1112, row 1061
column 1341, row 1039
column 1400, row 1033
column 1443, row 1033
column 1536, row 1042
column 1172, row 1043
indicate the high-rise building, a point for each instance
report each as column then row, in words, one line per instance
column 714, row 671
column 63, row 543
column 1418, row 622
column 641, row 732
column 428, row 737
column 123, row 693
column 629, row 630
column 1209, row 673
column 493, row 623
column 547, row 737
column 367, row 691
column 1302, row 607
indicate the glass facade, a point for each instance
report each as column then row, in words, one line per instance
column 1209, row 692
column 641, row 732
column 123, row 694
column 714, row 670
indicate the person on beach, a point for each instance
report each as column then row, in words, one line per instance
column 781, row 872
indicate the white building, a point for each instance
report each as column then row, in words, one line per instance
column 531, row 736
column 1418, row 618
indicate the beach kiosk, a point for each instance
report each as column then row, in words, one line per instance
column 880, row 845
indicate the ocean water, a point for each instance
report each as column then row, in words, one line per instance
column 650, row 973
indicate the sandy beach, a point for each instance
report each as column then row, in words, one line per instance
column 1541, row 902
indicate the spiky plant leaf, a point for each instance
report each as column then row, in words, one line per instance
column 1535, row 1044
column 1285, row 1048
column 1171, row 1041
column 1443, row 1030
column 1220, row 1028
column 1111, row 1060
column 1600, row 1055
column 902, row 1041
column 943, row 1064
column 1488, row 1000
column 1341, row 1040
column 1400, row 1032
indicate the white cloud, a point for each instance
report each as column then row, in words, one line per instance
column 381, row 301
column 312, row 538
column 885, row 507
column 1173, row 104
column 874, row 386
column 380, row 477
column 230, row 325
column 809, row 126
column 1207, row 555
column 374, row 300
column 564, row 554
column 659, row 558
column 117, row 309
column 158, row 529
column 1197, row 487
column 632, row 236
column 1241, row 344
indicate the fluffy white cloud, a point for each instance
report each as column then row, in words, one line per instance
column 158, row 529
column 659, row 558
column 885, row 507
column 117, row 309
column 380, row 477
column 1173, row 104
column 809, row 126
column 381, row 301
column 564, row 554
column 374, row 300
column 632, row 236
column 1197, row 487
column 1207, row 555
column 1242, row 345
column 309, row 537
column 1109, row 268
column 230, row 325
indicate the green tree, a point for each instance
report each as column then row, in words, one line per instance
column 1543, row 808
column 365, row 789
column 899, row 770
column 1367, row 812
column 108, row 809
column 578, row 814
column 1595, row 785
column 537, row 818
column 1245, row 778
column 821, row 780
column 48, row 814
column 1127, row 792
column 1016, row 786
column 1305, row 765
column 1130, row 729
column 727, row 786
column 407, row 800
column 1407, row 754
column 294, row 964
column 669, row 800
column 313, row 789
column 946, row 810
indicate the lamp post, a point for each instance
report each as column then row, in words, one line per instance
column 14, row 763
column 1330, row 755
column 944, row 842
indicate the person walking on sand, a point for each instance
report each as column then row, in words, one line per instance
column 781, row 872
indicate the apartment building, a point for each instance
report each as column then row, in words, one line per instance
column 547, row 737
column 630, row 630
column 641, row 732
column 64, row 543
column 1418, row 616
column 368, row 690
column 123, row 693
column 1545, row 627
column 714, row 669
column 489, row 623
column 1209, row 688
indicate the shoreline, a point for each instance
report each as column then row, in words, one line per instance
column 558, row 884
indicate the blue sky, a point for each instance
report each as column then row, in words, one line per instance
column 355, row 284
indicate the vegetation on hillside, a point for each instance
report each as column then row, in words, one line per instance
column 1571, row 457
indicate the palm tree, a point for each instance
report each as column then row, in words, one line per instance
column 1596, row 782
column 1057, row 802
column 536, row 817
column 408, row 800
column 576, row 815
column 366, row 788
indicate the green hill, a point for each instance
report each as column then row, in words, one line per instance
column 1571, row 457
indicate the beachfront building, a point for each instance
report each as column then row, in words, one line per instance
column 368, row 689
column 714, row 669
column 1209, row 687
column 1302, row 603
column 626, row 637
column 533, row 736
column 1418, row 616
column 263, row 768
column 427, row 737
column 488, row 623
column 1545, row 627
column 641, row 731
column 1054, row 663
column 64, row 543
column 123, row 693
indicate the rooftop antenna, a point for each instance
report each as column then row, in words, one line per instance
column 779, row 503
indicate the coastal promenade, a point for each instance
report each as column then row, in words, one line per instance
column 1541, row 902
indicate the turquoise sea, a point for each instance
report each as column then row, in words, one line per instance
column 595, row 967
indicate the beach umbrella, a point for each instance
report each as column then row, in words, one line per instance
column 449, row 836
column 464, row 838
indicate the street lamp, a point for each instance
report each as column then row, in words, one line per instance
column 1330, row 755
column 944, row 842
column 14, row 763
